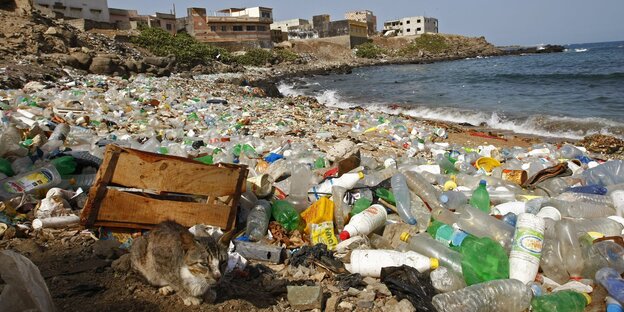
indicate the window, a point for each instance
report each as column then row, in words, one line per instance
column 409, row 30
column 418, row 21
column 408, row 22
column 75, row 9
column 96, row 12
column 266, row 14
column 213, row 28
column 418, row 29
column 237, row 28
column 169, row 27
column 262, row 28
column 223, row 28
column 251, row 28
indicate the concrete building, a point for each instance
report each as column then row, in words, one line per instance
column 321, row 23
column 234, row 28
column 409, row 26
column 292, row 23
column 95, row 10
column 364, row 16
column 295, row 29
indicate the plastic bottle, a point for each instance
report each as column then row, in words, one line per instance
column 360, row 205
column 481, row 224
column 28, row 182
column 55, row 222
column 21, row 165
column 369, row 262
column 57, row 138
column 258, row 220
column 481, row 198
column 595, row 199
column 483, row 259
column 301, row 180
column 608, row 173
column 347, row 180
column 6, row 167
column 402, row 197
column 340, row 208
column 423, row 189
column 423, row 244
column 561, row 301
column 611, row 280
column 526, row 250
column 579, row 209
column 568, row 151
column 501, row 296
column 453, row 200
column 570, row 248
column 613, row 305
column 420, row 212
column 445, row 280
column 284, row 213
column 618, row 202
column 610, row 226
column 589, row 189
column 375, row 178
column 365, row 222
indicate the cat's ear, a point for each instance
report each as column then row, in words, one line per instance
column 227, row 237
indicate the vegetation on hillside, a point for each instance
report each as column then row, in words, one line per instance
column 431, row 43
column 369, row 50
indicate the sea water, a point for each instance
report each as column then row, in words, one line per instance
column 569, row 95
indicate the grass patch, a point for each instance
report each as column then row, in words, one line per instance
column 255, row 57
column 284, row 55
column 369, row 50
column 426, row 42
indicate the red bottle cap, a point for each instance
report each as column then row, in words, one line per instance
column 344, row 235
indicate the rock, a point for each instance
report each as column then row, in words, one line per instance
column 404, row 306
column 131, row 66
column 83, row 59
column 332, row 303
column 380, row 289
column 162, row 72
column 605, row 144
column 341, row 150
column 366, row 299
column 353, row 292
column 52, row 31
column 333, row 288
column 103, row 65
column 33, row 86
column 284, row 45
column 156, row 61
column 305, row 297
column 346, row 306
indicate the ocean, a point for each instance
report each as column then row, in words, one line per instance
column 565, row 95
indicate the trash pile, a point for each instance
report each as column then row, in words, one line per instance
column 355, row 195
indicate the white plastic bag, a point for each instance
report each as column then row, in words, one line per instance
column 26, row 289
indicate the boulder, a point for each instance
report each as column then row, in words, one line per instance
column 305, row 297
column 284, row 45
column 103, row 65
column 156, row 61
column 83, row 59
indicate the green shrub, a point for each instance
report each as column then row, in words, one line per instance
column 369, row 50
column 255, row 57
column 188, row 51
column 426, row 42
column 284, row 55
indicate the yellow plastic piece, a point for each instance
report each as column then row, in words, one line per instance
column 487, row 163
column 321, row 211
column 587, row 297
column 449, row 185
column 434, row 263
column 405, row 236
column 324, row 233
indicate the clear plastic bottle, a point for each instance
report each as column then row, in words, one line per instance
column 481, row 224
column 608, row 173
column 375, row 178
column 570, row 248
column 579, row 209
column 453, row 200
column 445, row 280
column 402, row 196
column 340, row 208
column 423, row 189
column 247, row 202
column 552, row 262
column 568, row 151
column 301, row 181
column 258, row 220
column 618, row 202
column 39, row 178
column 423, row 244
column 420, row 212
column 595, row 199
column 499, row 295
column 610, row 226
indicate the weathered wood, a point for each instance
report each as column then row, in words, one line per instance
column 97, row 191
column 260, row 251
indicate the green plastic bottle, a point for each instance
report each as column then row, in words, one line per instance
column 286, row 215
column 561, row 301
column 360, row 205
column 483, row 259
column 385, row 195
column 5, row 167
column 481, row 198
column 65, row 165
column 208, row 159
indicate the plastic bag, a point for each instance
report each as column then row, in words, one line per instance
column 26, row 288
column 324, row 233
column 406, row 282
column 321, row 211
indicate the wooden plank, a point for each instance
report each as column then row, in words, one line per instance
column 167, row 174
column 97, row 191
column 120, row 207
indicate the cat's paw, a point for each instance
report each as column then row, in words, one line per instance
column 165, row 291
column 189, row 301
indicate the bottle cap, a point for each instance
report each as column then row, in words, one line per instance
column 404, row 236
column 482, row 182
column 434, row 263
column 444, row 198
column 361, row 175
column 613, row 307
column 449, row 185
column 549, row 212
column 587, row 298
column 344, row 235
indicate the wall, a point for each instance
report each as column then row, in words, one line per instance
column 284, row 25
column 415, row 25
column 366, row 17
column 96, row 10
column 85, row 24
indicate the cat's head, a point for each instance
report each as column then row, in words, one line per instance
column 206, row 259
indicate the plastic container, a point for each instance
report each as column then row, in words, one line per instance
column 341, row 211
column 570, row 248
column 568, row 151
column 370, row 262
column 375, row 178
column 423, row 189
column 425, row 245
column 589, row 189
column 483, row 259
column 481, row 224
column 579, row 209
column 611, row 280
column 347, row 180
column 301, row 181
column 561, row 301
column 501, row 296
column 608, row 173
column 515, row 207
column 481, row 198
column 258, row 220
column 40, row 178
column 284, row 213
column 526, row 250
column 613, row 305
column 453, row 200
column 55, row 222
column 365, row 222
column 445, row 280
column 618, row 202
column 402, row 197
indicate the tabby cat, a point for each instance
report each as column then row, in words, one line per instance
column 172, row 258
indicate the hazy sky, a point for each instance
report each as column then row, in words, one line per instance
column 526, row 22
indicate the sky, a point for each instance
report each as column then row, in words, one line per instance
column 507, row 22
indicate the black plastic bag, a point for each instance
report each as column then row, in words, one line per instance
column 406, row 282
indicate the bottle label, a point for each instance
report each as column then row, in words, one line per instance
column 529, row 242
column 29, row 182
column 324, row 233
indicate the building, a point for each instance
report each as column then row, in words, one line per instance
column 364, row 16
column 95, row 10
column 409, row 26
column 295, row 29
column 234, row 28
column 292, row 23
column 320, row 23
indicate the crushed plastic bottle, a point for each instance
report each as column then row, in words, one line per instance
column 500, row 295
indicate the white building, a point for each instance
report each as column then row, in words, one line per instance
column 96, row 10
column 289, row 24
column 409, row 26
column 256, row 12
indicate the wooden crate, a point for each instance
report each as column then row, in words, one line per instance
column 163, row 179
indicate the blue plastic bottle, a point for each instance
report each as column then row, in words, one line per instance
column 610, row 279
